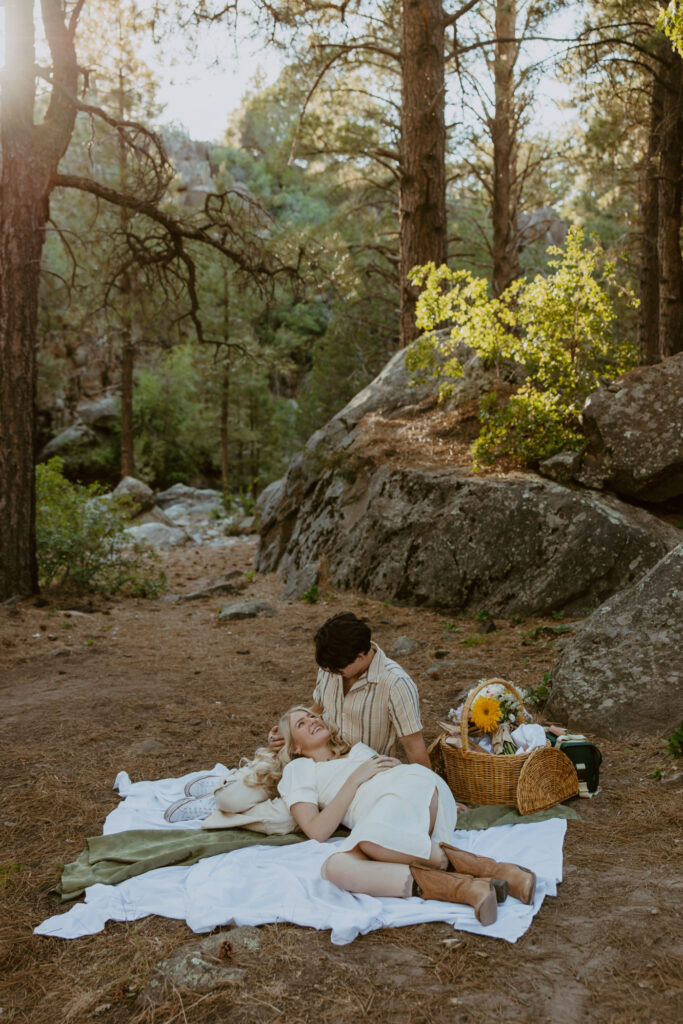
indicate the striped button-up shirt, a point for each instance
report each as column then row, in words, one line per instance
column 380, row 708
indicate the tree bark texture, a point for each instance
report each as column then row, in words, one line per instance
column 669, row 212
column 422, row 188
column 224, row 424
column 127, row 428
column 648, row 269
column 504, row 139
column 30, row 155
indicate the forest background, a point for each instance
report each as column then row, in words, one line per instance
column 233, row 320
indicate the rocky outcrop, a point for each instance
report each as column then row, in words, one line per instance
column 623, row 672
column 354, row 509
column 634, row 428
column 516, row 545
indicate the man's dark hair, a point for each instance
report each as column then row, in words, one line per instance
column 340, row 640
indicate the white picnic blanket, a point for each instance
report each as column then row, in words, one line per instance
column 262, row 884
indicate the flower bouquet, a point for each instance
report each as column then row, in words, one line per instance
column 493, row 714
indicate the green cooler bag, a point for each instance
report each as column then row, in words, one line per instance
column 584, row 755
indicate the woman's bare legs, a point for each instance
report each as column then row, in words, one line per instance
column 355, row 872
column 437, row 858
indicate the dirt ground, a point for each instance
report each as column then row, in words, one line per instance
column 85, row 682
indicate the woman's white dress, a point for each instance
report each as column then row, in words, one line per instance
column 391, row 809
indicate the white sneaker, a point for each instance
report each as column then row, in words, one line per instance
column 190, row 809
column 203, row 785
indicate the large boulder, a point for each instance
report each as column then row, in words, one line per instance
column 101, row 413
column 137, row 495
column 158, row 536
column 623, row 672
column 513, row 545
column 634, row 428
column 77, row 434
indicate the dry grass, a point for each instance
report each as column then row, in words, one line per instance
column 606, row 951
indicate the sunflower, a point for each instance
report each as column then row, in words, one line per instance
column 486, row 713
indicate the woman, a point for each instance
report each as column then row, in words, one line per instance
column 400, row 817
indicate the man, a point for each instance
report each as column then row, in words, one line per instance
column 362, row 693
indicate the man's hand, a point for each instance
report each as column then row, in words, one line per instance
column 276, row 740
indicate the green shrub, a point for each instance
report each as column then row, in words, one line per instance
column 674, row 743
column 560, row 327
column 81, row 539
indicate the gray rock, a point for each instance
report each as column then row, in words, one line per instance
column 201, row 966
column 246, row 525
column 153, row 515
column 245, row 610
column 77, row 433
column 300, row 582
column 403, row 646
column 188, row 495
column 561, row 467
column 623, row 672
column 270, row 498
column 158, row 536
column 635, row 433
column 215, row 590
column 517, row 545
column 102, row 413
column 139, row 496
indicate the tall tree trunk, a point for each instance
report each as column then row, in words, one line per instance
column 127, row 428
column 669, row 208
column 422, row 188
column 30, row 155
column 504, row 139
column 225, row 388
column 224, row 421
column 648, row 269
column 127, row 346
column 23, row 215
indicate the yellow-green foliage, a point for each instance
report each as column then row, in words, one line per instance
column 671, row 22
column 81, row 539
column 560, row 327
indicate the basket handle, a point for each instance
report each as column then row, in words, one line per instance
column 465, row 714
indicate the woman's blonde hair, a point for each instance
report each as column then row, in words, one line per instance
column 265, row 771
column 338, row 746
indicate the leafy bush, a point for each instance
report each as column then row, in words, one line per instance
column 81, row 539
column 674, row 743
column 559, row 327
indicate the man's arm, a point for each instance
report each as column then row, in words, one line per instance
column 415, row 749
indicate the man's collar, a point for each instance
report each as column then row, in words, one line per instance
column 375, row 665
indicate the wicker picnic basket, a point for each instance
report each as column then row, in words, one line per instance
column 530, row 782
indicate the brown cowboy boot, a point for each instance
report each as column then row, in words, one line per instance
column 451, row 887
column 521, row 881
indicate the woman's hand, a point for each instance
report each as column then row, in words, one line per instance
column 373, row 766
column 276, row 740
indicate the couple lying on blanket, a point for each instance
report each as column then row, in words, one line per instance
column 401, row 816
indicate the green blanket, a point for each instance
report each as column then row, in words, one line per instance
column 111, row 859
